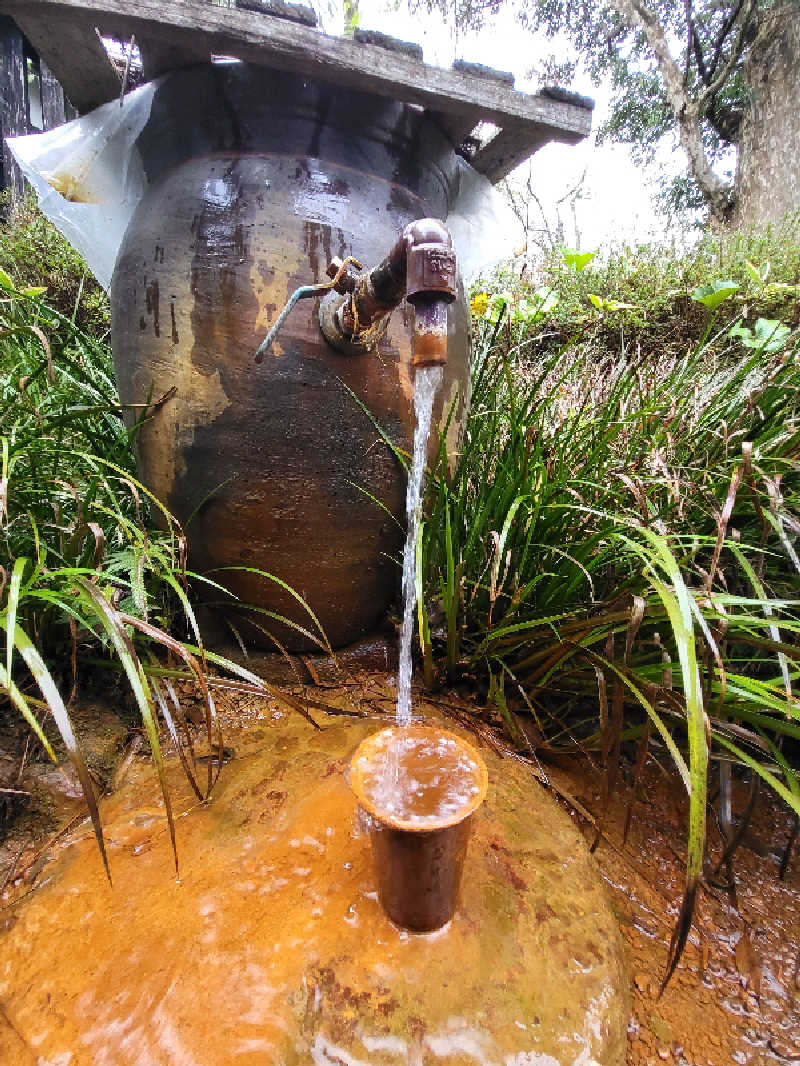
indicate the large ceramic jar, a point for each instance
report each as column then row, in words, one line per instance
column 257, row 179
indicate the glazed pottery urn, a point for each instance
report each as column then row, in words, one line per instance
column 257, row 179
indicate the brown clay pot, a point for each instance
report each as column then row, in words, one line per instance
column 257, row 179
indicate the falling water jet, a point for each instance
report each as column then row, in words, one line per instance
column 418, row 785
column 426, row 384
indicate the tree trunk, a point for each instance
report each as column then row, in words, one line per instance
column 768, row 171
column 13, row 102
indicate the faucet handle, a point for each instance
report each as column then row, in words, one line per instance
column 431, row 270
column 430, row 262
column 344, row 277
column 305, row 292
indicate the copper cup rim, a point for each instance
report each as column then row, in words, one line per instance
column 430, row 825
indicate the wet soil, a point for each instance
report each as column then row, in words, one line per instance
column 735, row 997
column 271, row 945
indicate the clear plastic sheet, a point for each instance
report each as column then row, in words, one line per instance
column 88, row 177
column 484, row 228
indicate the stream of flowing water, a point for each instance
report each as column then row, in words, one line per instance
column 426, row 384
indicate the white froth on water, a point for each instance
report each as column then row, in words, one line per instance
column 436, row 779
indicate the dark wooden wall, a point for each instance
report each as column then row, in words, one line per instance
column 15, row 102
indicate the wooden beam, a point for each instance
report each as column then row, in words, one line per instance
column 13, row 102
column 455, row 127
column 286, row 45
column 69, row 45
column 507, row 149
column 54, row 108
column 159, row 57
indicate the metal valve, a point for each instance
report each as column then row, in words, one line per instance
column 422, row 268
column 305, row 292
column 354, row 314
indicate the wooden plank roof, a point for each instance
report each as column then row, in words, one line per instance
column 173, row 33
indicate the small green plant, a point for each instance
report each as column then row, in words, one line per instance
column 758, row 275
column 767, row 335
column 577, row 261
column 715, row 293
column 35, row 254
column 609, row 305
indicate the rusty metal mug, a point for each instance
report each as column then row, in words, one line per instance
column 418, row 853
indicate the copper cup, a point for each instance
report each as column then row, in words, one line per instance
column 420, row 786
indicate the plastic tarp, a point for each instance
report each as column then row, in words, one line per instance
column 88, row 178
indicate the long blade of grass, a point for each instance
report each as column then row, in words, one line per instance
column 19, row 701
column 12, row 603
column 787, row 795
column 677, row 601
column 292, row 592
column 52, row 696
column 123, row 645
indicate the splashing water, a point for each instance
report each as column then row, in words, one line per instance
column 427, row 381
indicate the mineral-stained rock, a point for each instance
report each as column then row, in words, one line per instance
column 271, row 945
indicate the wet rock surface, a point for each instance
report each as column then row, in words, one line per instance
column 271, row 946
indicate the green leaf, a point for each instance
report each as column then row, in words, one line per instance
column 577, row 261
column 531, row 311
column 770, row 334
column 714, row 294
column 11, row 609
column 755, row 274
column 497, row 307
column 110, row 620
column 598, row 301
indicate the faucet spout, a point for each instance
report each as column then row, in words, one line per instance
column 421, row 267
column 430, row 331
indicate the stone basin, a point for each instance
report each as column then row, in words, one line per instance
column 271, row 948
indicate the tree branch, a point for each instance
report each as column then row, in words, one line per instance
column 725, row 29
column 746, row 11
column 699, row 58
column 688, row 113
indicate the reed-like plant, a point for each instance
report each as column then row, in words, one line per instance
column 87, row 554
column 612, row 550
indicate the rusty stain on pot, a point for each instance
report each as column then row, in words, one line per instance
column 175, row 337
column 278, row 453
column 152, row 304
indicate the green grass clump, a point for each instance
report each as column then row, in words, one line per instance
column 34, row 253
column 92, row 565
column 612, row 550
column 640, row 297
column 82, row 559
